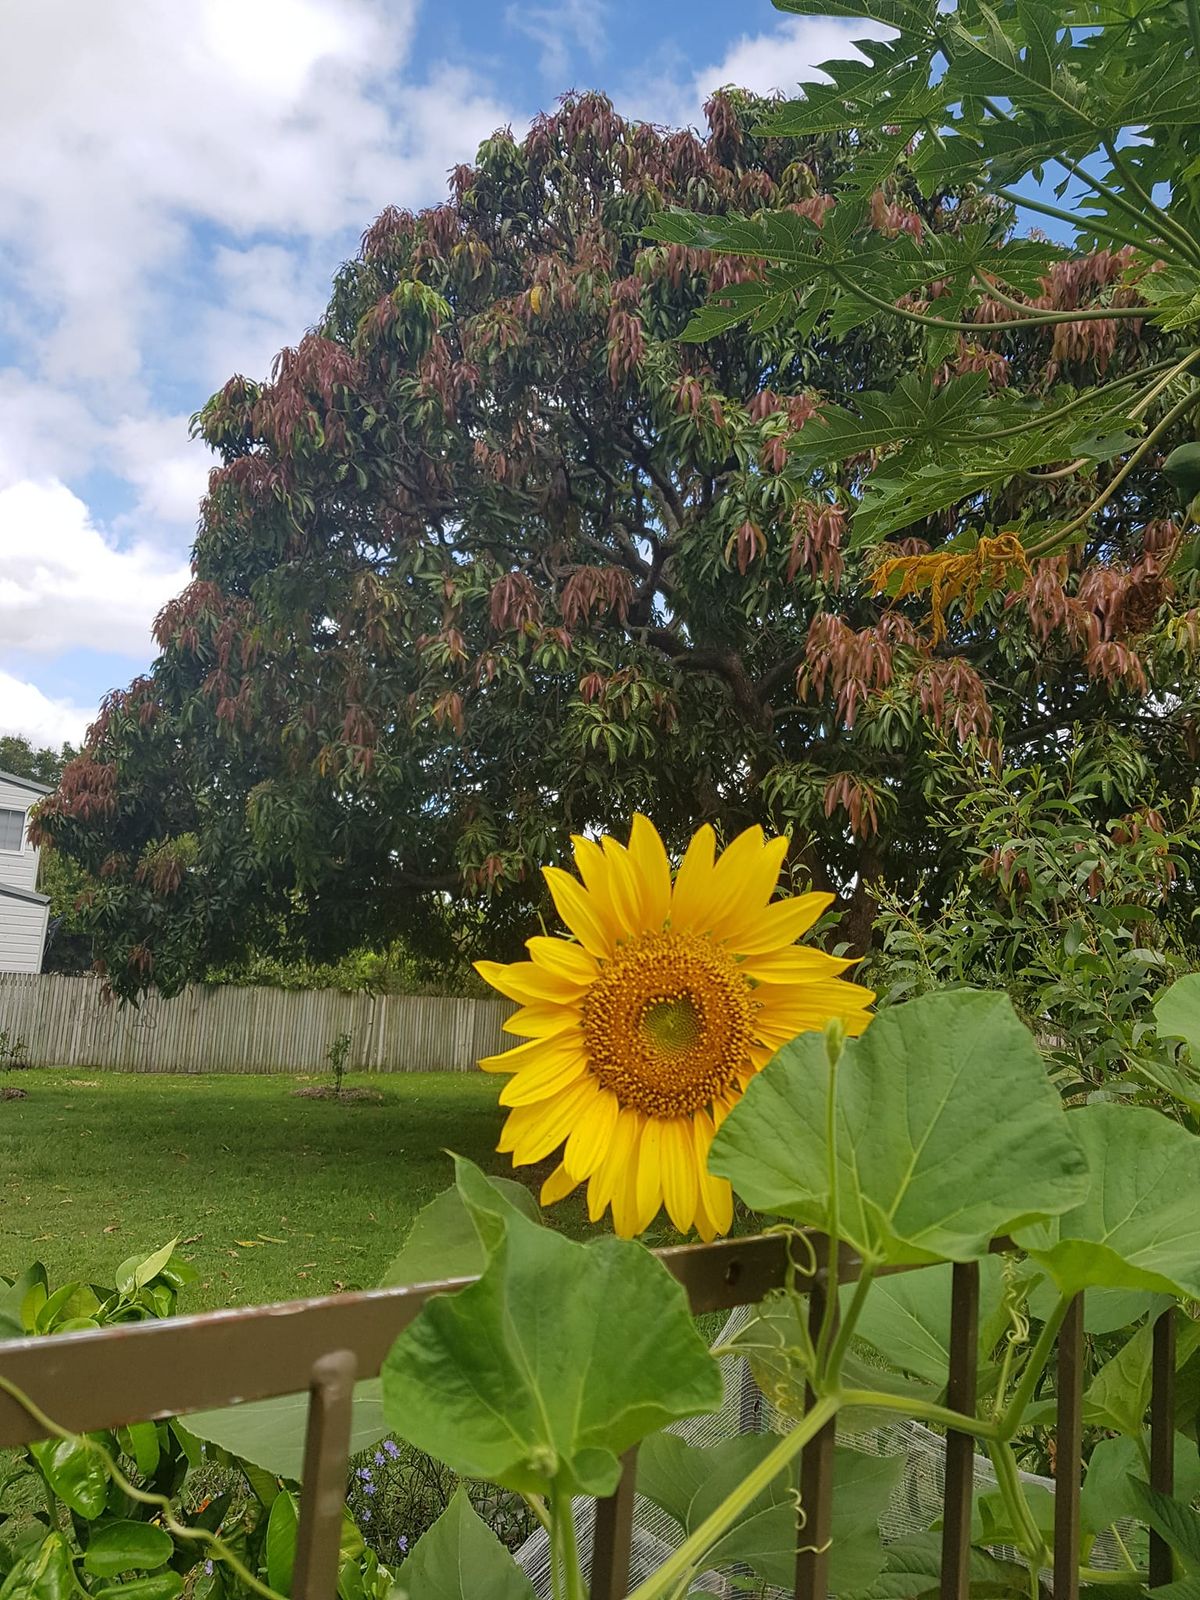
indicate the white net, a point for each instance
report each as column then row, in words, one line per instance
column 914, row 1505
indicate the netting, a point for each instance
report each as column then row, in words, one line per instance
column 914, row 1505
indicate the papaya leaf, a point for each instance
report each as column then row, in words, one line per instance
column 558, row 1359
column 948, row 1133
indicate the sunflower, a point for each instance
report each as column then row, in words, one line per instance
column 644, row 1028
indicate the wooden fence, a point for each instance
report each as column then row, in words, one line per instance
column 66, row 1022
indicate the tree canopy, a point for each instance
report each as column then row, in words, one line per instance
column 495, row 556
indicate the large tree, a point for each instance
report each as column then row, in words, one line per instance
column 494, row 556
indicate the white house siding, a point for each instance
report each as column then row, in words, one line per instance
column 22, row 932
column 18, row 869
column 23, row 912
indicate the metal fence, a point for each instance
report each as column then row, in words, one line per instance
column 67, row 1022
column 144, row 1371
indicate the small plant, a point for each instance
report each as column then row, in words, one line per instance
column 12, row 1052
column 336, row 1056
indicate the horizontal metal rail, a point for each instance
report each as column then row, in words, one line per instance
column 149, row 1370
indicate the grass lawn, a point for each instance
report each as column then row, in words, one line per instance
column 273, row 1197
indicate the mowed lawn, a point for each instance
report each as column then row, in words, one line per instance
column 272, row 1197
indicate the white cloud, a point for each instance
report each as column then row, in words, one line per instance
column 560, row 30
column 64, row 585
column 777, row 59
column 25, row 710
column 168, row 469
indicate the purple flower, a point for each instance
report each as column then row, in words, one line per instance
column 380, row 1458
column 208, row 1566
column 364, row 1474
column 402, row 1544
column 368, row 1486
column 366, row 1516
column 392, row 1448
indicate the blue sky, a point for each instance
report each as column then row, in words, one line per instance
column 179, row 184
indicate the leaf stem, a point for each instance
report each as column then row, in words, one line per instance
column 1009, row 1419
column 924, row 1410
column 1081, row 400
column 834, row 1041
column 1094, row 224
column 1047, row 319
column 848, row 1323
column 564, row 1517
column 695, row 1546
column 1008, row 1480
column 1054, row 542
column 1176, row 230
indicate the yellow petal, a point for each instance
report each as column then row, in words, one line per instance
column 528, row 984
column 592, row 865
column 648, row 1193
column 796, row 964
column 743, row 881
column 624, row 1200
column 618, row 1163
column 557, row 1186
column 589, row 1141
column 653, row 870
column 561, row 1047
column 531, row 1132
column 784, row 1012
column 624, row 888
column 542, row 1021
column 564, row 958
column 691, row 896
column 783, row 923
column 679, row 1172
column 541, row 1082
column 579, row 911
column 718, row 1201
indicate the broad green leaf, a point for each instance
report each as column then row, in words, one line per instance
column 75, row 1473
column 46, row 1574
column 906, row 1318
column 138, row 1271
column 444, row 1242
column 127, row 1547
column 460, row 1558
column 688, row 1482
column 140, row 1440
column 1173, row 1520
column 271, row 1433
column 1108, row 1493
column 558, row 1359
column 992, row 1525
column 1119, row 1394
column 158, row 1586
column 281, row 1542
column 948, row 1132
column 1138, row 1225
column 913, row 1569
column 1177, row 1013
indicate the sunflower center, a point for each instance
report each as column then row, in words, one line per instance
column 668, row 1023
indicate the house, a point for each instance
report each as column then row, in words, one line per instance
column 23, row 912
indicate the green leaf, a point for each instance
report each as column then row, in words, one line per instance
column 1108, row 1493
column 460, row 1558
column 271, row 1433
column 556, row 1361
column 75, row 1474
column 125, row 1547
column 46, row 1574
column 913, row 1569
column 159, row 1586
column 688, row 1482
column 906, row 1318
column 1119, row 1394
column 1177, row 1013
column 140, row 1440
column 281, row 1542
column 137, row 1271
column 1173, row 1520
column 948, row 1133
column 444, row 1242
column 1138, row 1226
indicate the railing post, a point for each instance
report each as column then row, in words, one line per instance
column 323, row 1488
column 612, row 1536
column 1068, row 1453
column 1162, row 1435
column 960, row 1447
column 816, row 1475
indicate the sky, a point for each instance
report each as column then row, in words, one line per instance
column 179, row 184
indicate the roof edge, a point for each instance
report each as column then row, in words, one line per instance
column 25, row 783
column 24, row 894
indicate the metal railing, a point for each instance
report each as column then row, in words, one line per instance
column 150, row 1370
